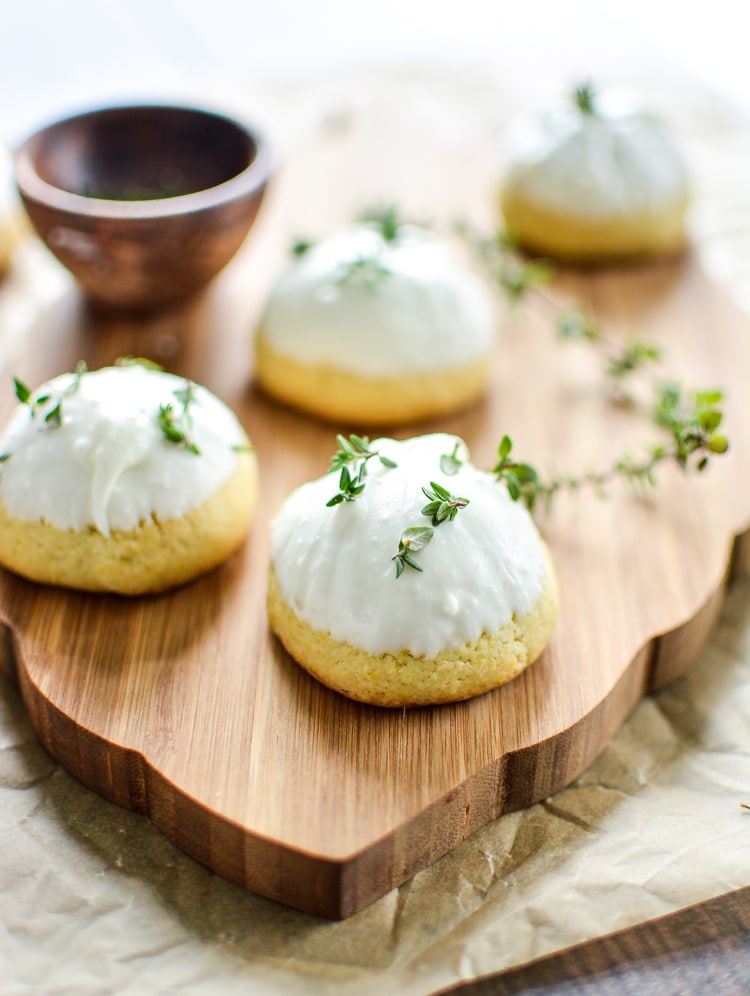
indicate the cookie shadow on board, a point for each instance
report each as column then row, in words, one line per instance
column 112, row 632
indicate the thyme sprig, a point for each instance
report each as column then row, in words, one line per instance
column 301, row 246
column 176, row 426
column 621, row 359
column 692, row 421
column 584, row 98
column 354, row 448
column 451, row 463
column 366, row 268
column 386, row 220
column 53, row 416
column 138, row 361
column 350, row 486
column 500, row 256
column 521, row 479
column 351, row 460
column 518, row 277
column 413, row 539
column 442, row 507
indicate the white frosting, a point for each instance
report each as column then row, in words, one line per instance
column 334, row 565
column 614, row 163
column 108, row 464
column 427, row 313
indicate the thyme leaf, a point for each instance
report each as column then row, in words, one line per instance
column 691, row 420
column 451, row 463
column 23, row 392
column 301, row 246
column 350, row 485
column 622, row 359
column 354, row 451
column 442, row 505
column 386, row 220
column 413, row 539
column 138, row 361
column 584, row 98
column 175, row 425
column 506, row 267
column 54, row 416
column 365, row 268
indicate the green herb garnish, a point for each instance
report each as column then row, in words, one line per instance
column 353, row 452
column 23, row 393
column 413, row 539
column 53, row 417
column 584, row 97
column 350, row 486
column 353, row 448
column 386, row 221
column 442, row 505
column 506, row 267
column 171, row 184
column 176, row 426
column 621, row 359
column 521, row 479
column 451, row 463
column 138, row 361
column 691, row 420
column 301, row 246
column 367, row 269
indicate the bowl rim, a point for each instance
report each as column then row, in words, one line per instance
column 245, row 183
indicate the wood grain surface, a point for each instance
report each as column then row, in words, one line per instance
column 700, row 949
column 185, row 707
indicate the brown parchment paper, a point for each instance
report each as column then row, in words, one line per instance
column 94, row 900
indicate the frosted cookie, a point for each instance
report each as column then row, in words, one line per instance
column 124, row 479
column 594, row 181
column 378, row 323
column 408, row 597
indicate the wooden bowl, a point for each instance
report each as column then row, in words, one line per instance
column 143, row 204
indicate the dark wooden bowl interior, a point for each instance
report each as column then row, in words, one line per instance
column 142, row 153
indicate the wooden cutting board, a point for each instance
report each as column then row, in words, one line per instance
column 186, row 708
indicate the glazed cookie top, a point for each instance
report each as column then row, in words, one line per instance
column 596, row 156
column 379, row 307
column 94, row 449
column 335, row 565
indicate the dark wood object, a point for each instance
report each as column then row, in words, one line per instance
column 144, row 204
column 701, row 949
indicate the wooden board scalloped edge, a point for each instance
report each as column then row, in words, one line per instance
column 336, row 889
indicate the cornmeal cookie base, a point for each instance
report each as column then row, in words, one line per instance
column 590, row 240
column 339, row 396
column 9, row 237
column 403, row 679
column 150, row 558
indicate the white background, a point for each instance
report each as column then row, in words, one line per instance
column 57, row 55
